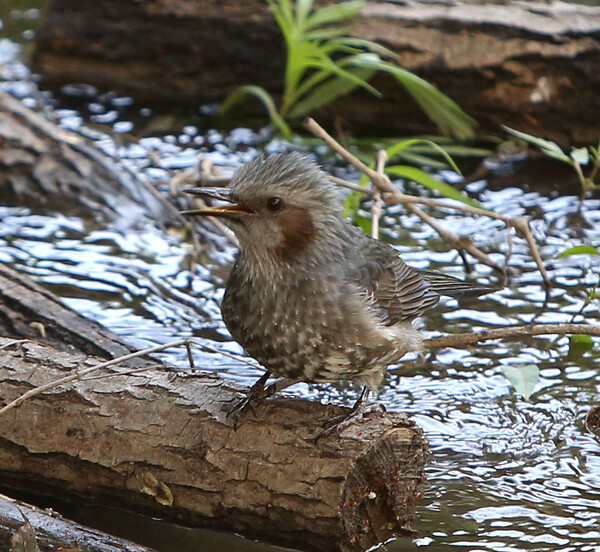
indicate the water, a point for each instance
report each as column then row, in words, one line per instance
column 505, row 474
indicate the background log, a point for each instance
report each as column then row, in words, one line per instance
column 526, row 64
column 160, row 443
column 52, row 532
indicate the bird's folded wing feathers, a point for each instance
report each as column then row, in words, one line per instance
column 401, row 293
column 454, row 287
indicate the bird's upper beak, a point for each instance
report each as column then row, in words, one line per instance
column 231, row 211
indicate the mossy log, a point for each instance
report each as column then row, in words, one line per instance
column 531, row 65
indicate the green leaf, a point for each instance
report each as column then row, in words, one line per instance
column 445, row 113
column 394, row 150
column 327, row 33
column 303, row 8
column 237, row 95
column 352, row 204
column 523, row 378
column 421, row 177
column 329, row 91
column 579, row 344
column 551, row 149
column 351, row 76
column 579, row 250
column 334, row 13
column 421, row 160
column 368, row 45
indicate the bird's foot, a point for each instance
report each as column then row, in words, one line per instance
column 361, row 409
column 256, row 395
column 253, row 398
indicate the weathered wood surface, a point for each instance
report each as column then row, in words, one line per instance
column 139, row 438
column 532, row 65
column 51, row 532
column 28, row 311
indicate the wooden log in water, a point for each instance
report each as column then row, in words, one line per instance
column 532, row 65
column 159, row 442
column 44, row 165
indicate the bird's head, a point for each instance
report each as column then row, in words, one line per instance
column 278, row 206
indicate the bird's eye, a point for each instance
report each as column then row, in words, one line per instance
column 274, row 204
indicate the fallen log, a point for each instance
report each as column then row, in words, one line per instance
column 26, row 525
column 160, row 442
column 531, row 65
column 28, row 311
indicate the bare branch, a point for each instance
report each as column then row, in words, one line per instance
column 376, row 207
column 473, row 338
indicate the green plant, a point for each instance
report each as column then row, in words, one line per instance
column 323, row 64
column 577, row 158
column 414, row 174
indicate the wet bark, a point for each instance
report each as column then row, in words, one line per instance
column 160, row 442
column 527, row 64
column 50, row 532
column 27, row 311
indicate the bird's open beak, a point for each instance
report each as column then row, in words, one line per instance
column 231, row 211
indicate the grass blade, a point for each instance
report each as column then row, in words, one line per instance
column 551, row 149
column 335, row 13
column 425, row 179
column 237, row 95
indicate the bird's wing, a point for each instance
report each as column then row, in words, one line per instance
column 398, row 291
column 454, row 287
column 401, row 293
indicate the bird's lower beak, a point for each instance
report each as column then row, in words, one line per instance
column 231, row 211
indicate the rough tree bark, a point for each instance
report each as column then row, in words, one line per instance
column 51, row 532
column 527, row 64
column 159, row 442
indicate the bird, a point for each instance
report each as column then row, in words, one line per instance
column 311, row 297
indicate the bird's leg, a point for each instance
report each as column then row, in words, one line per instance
column 280, row 385
column 257, row 394
column 254, row 396
column 361, row 408
column 362, row 399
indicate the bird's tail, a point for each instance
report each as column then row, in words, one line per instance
column 454, row 287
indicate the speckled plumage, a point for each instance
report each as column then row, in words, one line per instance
column 310, row 296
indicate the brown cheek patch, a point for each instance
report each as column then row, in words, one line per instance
column 298, row 231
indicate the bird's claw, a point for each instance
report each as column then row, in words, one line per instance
column 339, row 423
column 254, row 397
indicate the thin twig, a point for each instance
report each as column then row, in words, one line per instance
column 351, row 186
column 472, row 338
column 376, row 209
column 80, row 373
column 14, row 342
